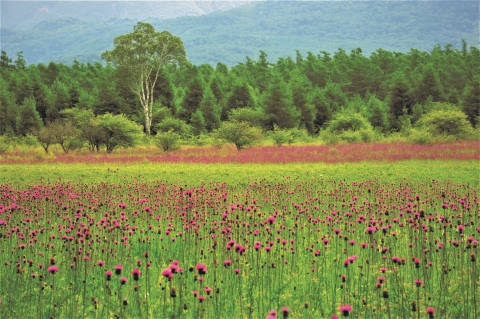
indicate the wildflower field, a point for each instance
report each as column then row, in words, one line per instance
column 139, row 238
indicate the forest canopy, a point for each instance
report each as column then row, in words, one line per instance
column 338, row 95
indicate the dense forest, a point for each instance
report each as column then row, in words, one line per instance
column 278, row 28
column 383, row 93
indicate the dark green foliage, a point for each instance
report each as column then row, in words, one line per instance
column 300, row 87
column 28, row 119
column 321, row 106
column 471, row 102
column 428, row 86
column 210, row 110
column 192, row 100
column 198, row 123
column 240, row 98
column 400, row 101
column 278, row 106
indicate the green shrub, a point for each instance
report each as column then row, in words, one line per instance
column 281, row 137
column 239, row 133
column 167, row 141
column 451, row 123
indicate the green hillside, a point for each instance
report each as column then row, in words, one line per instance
column 278, row 28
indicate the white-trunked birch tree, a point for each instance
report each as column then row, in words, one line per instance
column 141, row 55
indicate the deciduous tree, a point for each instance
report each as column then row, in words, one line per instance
column 142, row 54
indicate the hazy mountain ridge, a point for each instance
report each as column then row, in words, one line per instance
column 27, row 14
column 278, row 28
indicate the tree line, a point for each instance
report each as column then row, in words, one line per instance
column 383, row 93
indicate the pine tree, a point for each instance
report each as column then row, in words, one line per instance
column 210, row 110
column 28, row 118
column 300, row 86
column 278, row 106
column 471, row 102
column 192, row 100
column 240, row 98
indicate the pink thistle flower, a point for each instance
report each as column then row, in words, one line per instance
column 118, row 269
column 202, row 269
column 123, row 280
column 167, row 273
column 430, row 312
column 100, row 263
column 418, row 282
column 345, row 310
column 108, row 274
column 52, row 269
column 136, row 274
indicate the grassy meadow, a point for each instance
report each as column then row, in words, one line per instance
column 145, row 239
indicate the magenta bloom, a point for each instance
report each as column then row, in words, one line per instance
column 123, row 280
column 418, row 282
column 381, row 279
column 227, row 263
column 430, row 312
column 136, row 274
column 52, row 269
column 201, row 298
column 108, row 274
column 118, row 269
column 101, row 263
column 167, row 273
column 202, row 269
column 345, row 310
column 208, row 290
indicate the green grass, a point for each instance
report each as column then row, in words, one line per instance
column 195, row 174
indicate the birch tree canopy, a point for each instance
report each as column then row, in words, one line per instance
column 140, row 55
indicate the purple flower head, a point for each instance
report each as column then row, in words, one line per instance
column 123, row 280
column 345, row 310
column 118, row 269
column 101, row 263
column 108, row 274
column 136, row 274
column 167, row 273
column 52, row 269
column 202, row 269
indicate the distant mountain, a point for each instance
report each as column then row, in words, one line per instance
column 278, row 28
column 27, row 14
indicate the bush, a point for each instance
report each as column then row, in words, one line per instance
column 349, row 127
column 451, row 123
column 239, row 133
column 348, row 121
column 281, row 137
column 176, row 125
column 167, row 141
